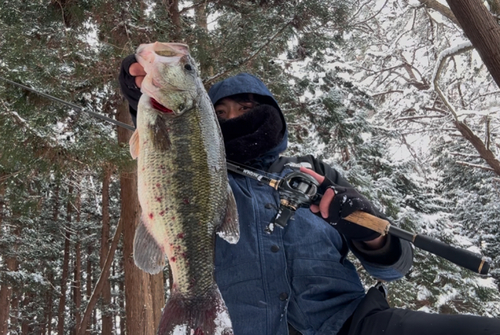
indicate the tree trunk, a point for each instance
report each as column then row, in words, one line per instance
column 26, row 324
column 122, row 301
column 158, row 295
column 47, row 327
column 5, row 290
column 15, row 292
column 55, row 218
column 202, row 42
column 88, row 284
column 482, row 30
column 107, row 320
column 101, row 282
column 14, row 312
column 65, row 268
column 5, row 295
column 77, row 283
column 173, row 9
column 138, row 300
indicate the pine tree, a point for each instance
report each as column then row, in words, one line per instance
column 356, row 87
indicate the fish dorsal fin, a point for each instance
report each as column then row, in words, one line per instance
column 134, row 144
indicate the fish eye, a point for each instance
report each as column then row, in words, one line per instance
column 188, row 67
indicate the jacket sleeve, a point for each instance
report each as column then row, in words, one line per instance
column 390, row 262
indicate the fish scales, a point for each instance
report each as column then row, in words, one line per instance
column 183, row 190
column 173, row 176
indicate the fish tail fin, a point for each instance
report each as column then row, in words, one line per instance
column 148, row 255
column 206, row 315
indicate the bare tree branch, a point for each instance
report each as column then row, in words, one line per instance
column 466, row 132
column 411, row 118
column 442, row 9
column 481, row 148
column 443, row 56
column 487, row 168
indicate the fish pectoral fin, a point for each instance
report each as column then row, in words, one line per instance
column 134, row 144
column 229, row 230
column 148, row 255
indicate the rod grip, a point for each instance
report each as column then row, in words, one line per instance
column 464, row 258
column 369, row 221
column 461, row 257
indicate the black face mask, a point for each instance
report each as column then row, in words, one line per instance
column 252, row 134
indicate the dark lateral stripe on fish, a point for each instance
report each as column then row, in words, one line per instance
column 191, row 173
column 161, row 137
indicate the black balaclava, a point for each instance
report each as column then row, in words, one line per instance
column 260, row 133
column 252, row 134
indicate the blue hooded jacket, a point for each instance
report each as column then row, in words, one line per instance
column 299, row 274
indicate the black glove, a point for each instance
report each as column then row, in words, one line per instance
column 127, row 84
column 345, row 202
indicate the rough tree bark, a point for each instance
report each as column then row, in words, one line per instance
column 88, row 284
column 55, row 217
column 5, row 294
column 27, row 320
column 138, row 300
column 65, row 268
column 5, row 290
column 173, row 9
column 107, row 321
column 482, row 30
column 77, row 282
column 82, row 327
column 47, row 326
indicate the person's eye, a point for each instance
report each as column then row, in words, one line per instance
column 220, row 112
column 246, row 106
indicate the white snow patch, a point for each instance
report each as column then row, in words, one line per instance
column 149, row 11
column 423, row 293
column 181, row 330
column 223, row 322
column 486, row 282
column 92, row 34
column 425, row 309
column 448, row 294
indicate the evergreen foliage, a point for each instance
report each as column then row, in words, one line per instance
column 355, row 83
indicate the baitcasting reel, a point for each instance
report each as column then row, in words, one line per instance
column 296, row 189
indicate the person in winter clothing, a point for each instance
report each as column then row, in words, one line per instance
column 298, row 280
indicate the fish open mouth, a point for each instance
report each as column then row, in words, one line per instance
column 158, row 106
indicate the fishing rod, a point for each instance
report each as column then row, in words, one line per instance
column 298, row 189
column 79, row 108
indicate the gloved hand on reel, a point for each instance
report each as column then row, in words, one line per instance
column 339, row 202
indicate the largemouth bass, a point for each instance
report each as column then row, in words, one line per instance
column 183, row 189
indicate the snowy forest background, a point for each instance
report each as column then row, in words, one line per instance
column 382, row 90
